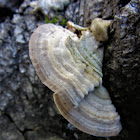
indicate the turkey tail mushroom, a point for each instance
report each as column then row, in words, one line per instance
column 94, row 115
column 71, row 67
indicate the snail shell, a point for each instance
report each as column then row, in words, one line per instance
column 71, row 66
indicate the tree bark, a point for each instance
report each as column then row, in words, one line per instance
column 27, row 109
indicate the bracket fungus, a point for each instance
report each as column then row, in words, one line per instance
column 71, row 66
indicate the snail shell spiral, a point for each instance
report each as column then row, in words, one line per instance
column 71, row 67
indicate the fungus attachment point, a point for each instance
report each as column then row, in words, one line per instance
column 99, row 28
column 72, row 68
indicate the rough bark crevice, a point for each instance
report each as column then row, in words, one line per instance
column 27, row 110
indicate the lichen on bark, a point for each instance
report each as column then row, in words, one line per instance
column 27, row 110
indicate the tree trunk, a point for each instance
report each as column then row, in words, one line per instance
column 27, row 109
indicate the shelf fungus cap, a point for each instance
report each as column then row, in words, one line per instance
column 71, row 66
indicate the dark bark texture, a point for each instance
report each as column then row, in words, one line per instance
column 27, row 109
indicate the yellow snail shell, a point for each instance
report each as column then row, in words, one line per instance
column 71, row 67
